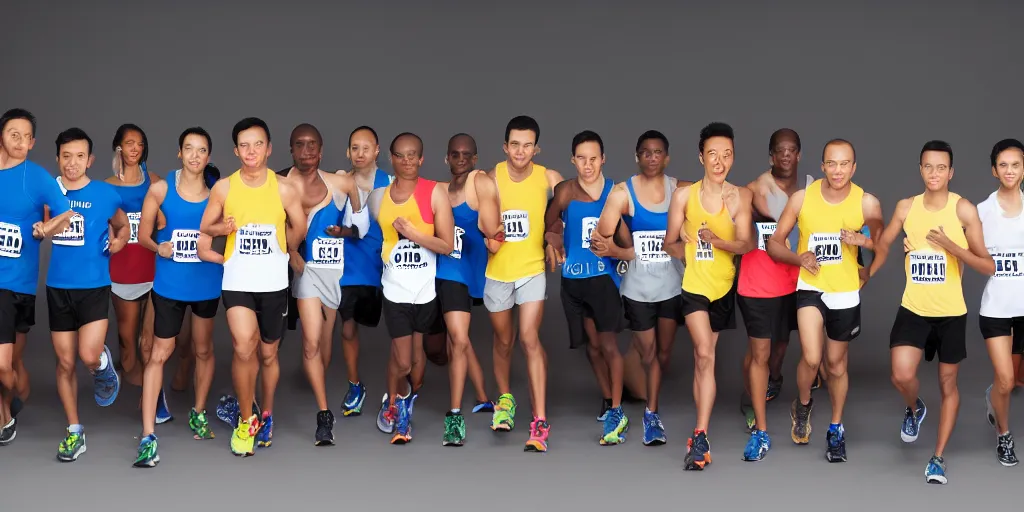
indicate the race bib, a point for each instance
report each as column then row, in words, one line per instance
column 328, row 252
column 517, row 225
column 588, row 227
column 927, row 267
column 1009, row 265
column 704, row 250
column 134, row 218
column 74, row 234
column 407, row 255
column 457, row 251
column 10, row 240
column 255, row 239
column 765, row 230
column 186, row 246
column 647, row 246
column 827, row 248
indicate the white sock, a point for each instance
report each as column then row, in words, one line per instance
column 103, row 361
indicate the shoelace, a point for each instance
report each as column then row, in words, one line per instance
column 1006, row 443
column 655, row 421
column 909, row 421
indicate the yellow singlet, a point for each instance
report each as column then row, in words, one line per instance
column 255, row 255
column 709, row 271
column 522, row 212
column 819, row 223
column 934, row 286
column 409, row 269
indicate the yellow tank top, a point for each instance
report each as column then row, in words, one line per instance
column 409, row 269
column 255, row 255
column 934, row 286
column 522, row 212
column 709, row 271
column 819, row 223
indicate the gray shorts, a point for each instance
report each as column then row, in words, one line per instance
column 130, row 292
column 319, row 283
column 501, row 296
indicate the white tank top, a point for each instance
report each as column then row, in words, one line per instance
column 1004, row 239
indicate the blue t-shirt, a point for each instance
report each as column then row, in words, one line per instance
column 27, row 187
column 79, row 259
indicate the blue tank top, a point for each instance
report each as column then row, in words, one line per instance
column 183, row 276
column 319, row 248
column 467, row 263
column 132, row 197
column 27, row 188
column 580, row 219
column 79, row 258
column 363, row 265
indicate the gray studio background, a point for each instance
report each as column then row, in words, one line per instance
column 886, row 75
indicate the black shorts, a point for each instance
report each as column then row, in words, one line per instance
column 362, row 304
column 454, row 296
column 997, row 327
column 70, row 309
column 168, row 314
column 643, row 316
column 721, row 312
column 840, row 324
column 17, row 315
column 769, row 318
column 405, row 319
column 596, row 298
column 271, row 310
column 946, row 335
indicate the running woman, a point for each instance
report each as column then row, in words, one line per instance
column 188, row 276
column 78, row 284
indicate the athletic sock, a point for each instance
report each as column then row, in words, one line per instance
column 456, row 411
column 77, row 428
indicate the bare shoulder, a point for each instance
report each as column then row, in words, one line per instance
column 760, row 183
column 683, row 184
column 554, row 177
column 966, row 210
column 441, row 187
column 113, row 180
column 339, row 179
column 681, row 193
column 158, row 188
column 154, row 178
column 869, row 200
column 746, row 195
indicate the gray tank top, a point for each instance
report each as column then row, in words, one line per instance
column 652, row 276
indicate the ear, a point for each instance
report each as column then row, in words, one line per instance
column 179, row 154
column 636, row 158
column 236, row 152
column 348, row 153
column 667, row 160
column 504, row 147
column 798, row 155
column 92, row 158
column 700, row 158
column 602, row 158
column 951, row 172
column 536, row 150
column 446, row 160
column 270, row 148
column 31, row 143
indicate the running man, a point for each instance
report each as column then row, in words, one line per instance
column 261, row 216
column 590, row 283
column 21, row 229
column 709, row 223
column 829, row 214
column 515, row 274
column 1001, row 317
column 460, row 277
column 650, row 295
column 319, row 262
column 78, row 283
column 943, row 233
column 766, row 290
column 415, row 217
column 188, row 276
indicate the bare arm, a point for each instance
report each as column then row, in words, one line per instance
column 554, row 228
column 489, row 208
column 887, row 236
column 976, row 255
column 776, row 246
column 205, row 251
column 675, row 240
column 214, row 223
column 609, row 236
column 744, row 241
column 872, row 219
column 150, row 208
column 296, row 217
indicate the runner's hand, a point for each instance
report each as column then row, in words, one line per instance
column 165, row 250
column 37, row 231
column 555, row 256
column 810, row 262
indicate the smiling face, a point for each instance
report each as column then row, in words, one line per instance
column 131, row 148
column 407, row 157
column 784, row 156
column 461, row 156
column 936, row 170
column 652, row 157
column 839, row 164
column 73, row 159
column 521, row 147
column 306, row 150
column 362, row 149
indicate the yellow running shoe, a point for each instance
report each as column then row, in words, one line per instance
column 244, row 437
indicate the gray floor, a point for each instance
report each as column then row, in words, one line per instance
column 364, row 468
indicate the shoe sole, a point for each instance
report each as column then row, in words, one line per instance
column 401, row 440
column 698, row 465
column 655, row 442
column 324, row 442
column 1008, row 464
column 797, row 439
column 936, row 479
column 453, row 443
column 147, row 465
column 534, row 447
column 74, row 456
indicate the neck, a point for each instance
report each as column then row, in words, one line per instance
column 597, row 185
column 936, row 195
column 308, row 175
column 7, row 161
column 513, row 168
column 365, row 171
column 131, row 174
column 714, row 188
column 785, row 182
column 1011, row 193
column 191, row 181
column 644, row 177
column 458, row 181
column 253, row 172
column 69, row 184
column 407, row 182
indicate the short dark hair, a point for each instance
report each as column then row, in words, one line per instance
column 586, row 136
column 376, row 139
column 391, row 149
column 524, row 123
column 247, row 123
column 1003, row 145
column 72, row 135
column 834, row 142
column 306, row 126
column 18, row 113
column 119, row 138
column 780, row 134
column 472, row 141
column 937, row 145
column 195, row 130
column 715, row 129
column 651, row 134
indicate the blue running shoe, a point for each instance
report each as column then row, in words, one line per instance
column 615, row 427
column 163, row 413
column 654, row 431
column 386, row 417
column 935, row 471
column 106, row 382
column 403, row 422
column 487, row 406
column 698, row 452
column 757, row 446
column 606, row 405
column 227, row 410
column 265, row 435
column 912, row 420
column 836, row 440
column 353, row 404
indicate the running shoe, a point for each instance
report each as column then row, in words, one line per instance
column 353, row 404
column 935, row 471
column 835, row 438
column 163, row 413
column 386, row 416
column 912, row 420
column 16, row 406
column 403, row 423
column 654, row 430
column 606, row 405
column 801, row 416
column 698, row 451
column 72, row 446
column 324, row 428
column 9, row 432
column 244, row 436
column 454, row 429
column 199, row 425
column 774, row 388
column 486, row 406
column 504, row 417
column 228, row 410
column 106, row 382
column 757, row 446
column 538, row 441
column 147, row 456
column 747, row 409
column 615, row 426
column 265, row 434
column 1007, row 456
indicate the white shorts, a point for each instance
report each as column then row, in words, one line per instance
column 501, row 296
column 319, row 283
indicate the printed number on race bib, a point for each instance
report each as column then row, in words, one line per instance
column 648, row 246
column 134, row 218
column 589, row 225
column 765, row 230
column 827, row 248
column 328, row 252
column 1009, row 265
column 10, row 240
column 927, row 267
column 517, row 225
column 255, row 240
column 704, row 250
column 74, row 234
column 457, row 251
column 407, row 255
column 186, row 246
